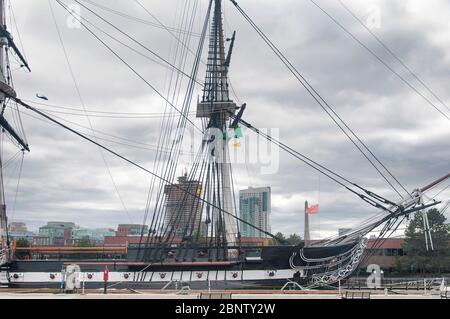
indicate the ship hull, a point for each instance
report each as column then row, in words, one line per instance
column 47, row 274
column 197, row 285
column 270, row 267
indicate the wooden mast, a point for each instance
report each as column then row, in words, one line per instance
column 6, row 92
column 4, row 256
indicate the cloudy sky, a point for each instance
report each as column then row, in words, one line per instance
column 65, row 178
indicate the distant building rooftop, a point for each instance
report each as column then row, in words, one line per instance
column 387, row 243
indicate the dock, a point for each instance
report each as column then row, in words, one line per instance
column 7, row 293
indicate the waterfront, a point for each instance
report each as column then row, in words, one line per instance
column 235, row 295
column 311, row 217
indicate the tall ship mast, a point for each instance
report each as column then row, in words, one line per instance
column 194, row 230
column 3, row 222
column 216, row 109
column 6, row 90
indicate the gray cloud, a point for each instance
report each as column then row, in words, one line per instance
column 66, row 179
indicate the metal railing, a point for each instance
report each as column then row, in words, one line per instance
column 392, row 284
column 214, row 295
column 356, row 295
column 291, row 285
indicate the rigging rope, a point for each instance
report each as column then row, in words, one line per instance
column 137, row 114
column 339, row 179
column 380, row 60
column 130, row 17
column 134, row 40
column 139, row 145
column 18, row 31
column 29, row 107
column 80, row 97
column 324, row 104
column 167, row 29
column 168, row 171
column 385, row 46
column 146, row 117
column 125, row 62
column 17, row 186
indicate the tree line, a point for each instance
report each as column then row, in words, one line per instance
column 292, row 239
column 416, row 258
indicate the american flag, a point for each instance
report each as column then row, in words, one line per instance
column 314, row 209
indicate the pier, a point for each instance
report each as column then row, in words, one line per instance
column 234, row 295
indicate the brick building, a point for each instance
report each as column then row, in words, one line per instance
column 183, row 211
column 124, row 230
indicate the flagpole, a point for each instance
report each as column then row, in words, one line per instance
column 306, row 235
column 318, row 203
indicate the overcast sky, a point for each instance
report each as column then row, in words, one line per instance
column 65, row 178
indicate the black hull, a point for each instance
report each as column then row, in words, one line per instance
column 216, row 285
column 257, row 268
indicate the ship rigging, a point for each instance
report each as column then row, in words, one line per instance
column 176, row 246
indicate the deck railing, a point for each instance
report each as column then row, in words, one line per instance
column 392, row 284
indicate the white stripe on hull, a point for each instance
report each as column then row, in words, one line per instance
column 188, row 276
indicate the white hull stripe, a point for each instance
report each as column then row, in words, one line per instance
column 189, row 276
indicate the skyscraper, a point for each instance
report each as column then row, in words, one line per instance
column 183, row 210
column 255, row 208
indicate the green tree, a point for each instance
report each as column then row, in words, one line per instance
column 85, row 242
column 276, row 242
column 199, row 239
column 294, row 239
column 416, row 257
column 22, row 242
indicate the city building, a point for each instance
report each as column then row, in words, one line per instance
column 41, row 241
column 384, row 255
column 18, row 230
column 255, row 208
column 183, row 211
column 96, row 235
column 124, row 230
column 132, row 240
column 126, row 234
column 16, row 235
column 59, row 233
column 17, row 227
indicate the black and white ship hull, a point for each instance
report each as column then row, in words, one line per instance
column 274, row 267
